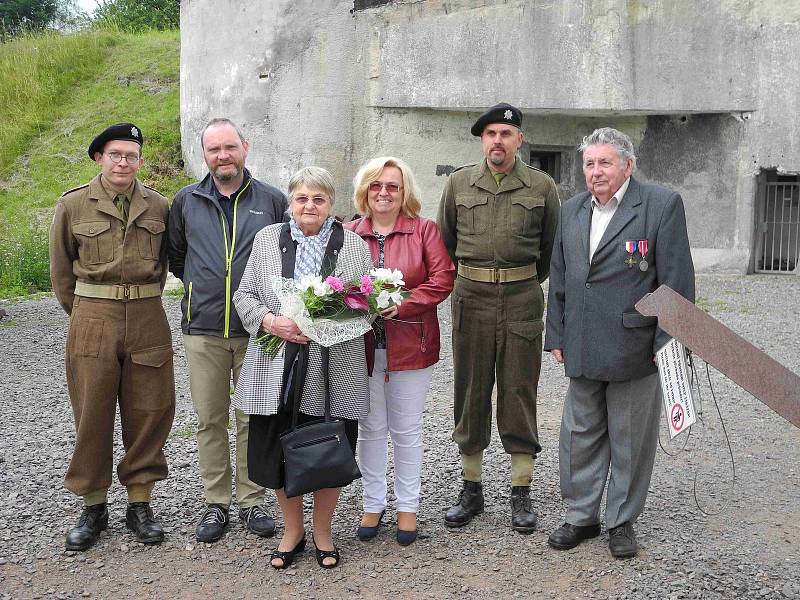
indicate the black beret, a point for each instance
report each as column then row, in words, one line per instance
column 120, row 131
column 499, row 113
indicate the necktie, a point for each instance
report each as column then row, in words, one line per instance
column 498, row 177
column 122, row 204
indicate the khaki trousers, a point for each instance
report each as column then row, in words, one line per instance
column 212, row 360
column 119, row 353
column 497, row 330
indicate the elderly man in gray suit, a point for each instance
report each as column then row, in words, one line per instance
column 614, row 244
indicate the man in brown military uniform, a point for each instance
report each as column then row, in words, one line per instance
column 108, row 265
column 498, row 219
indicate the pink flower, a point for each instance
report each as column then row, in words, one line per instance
column 355, row 301
column 366, row 284
column 335, row 283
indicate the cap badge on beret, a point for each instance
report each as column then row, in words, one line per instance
column 134, row 132
column 507, row 115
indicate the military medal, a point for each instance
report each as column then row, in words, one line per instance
column 630, row 248
column 643, row 252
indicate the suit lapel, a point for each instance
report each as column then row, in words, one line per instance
column 584, row 224
column 626, row 212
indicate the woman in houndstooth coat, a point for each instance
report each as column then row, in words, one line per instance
column 312, row 243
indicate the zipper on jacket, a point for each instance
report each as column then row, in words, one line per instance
column 189, row 305
column 229, row 258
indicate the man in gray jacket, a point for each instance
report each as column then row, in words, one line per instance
column 212, row 225
column 614, row 244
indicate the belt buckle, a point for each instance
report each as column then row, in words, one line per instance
column 126, row 291
column 496, row 272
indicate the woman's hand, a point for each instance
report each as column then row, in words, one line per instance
column 284, row 328
column 388, row 313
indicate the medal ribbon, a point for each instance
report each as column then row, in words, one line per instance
column 643, row 248
column 630, row 247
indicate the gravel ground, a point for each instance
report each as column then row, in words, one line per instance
column 747, row 549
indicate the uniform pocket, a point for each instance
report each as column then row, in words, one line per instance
column 525, row 214
column 472, row 214
column 148, row 234
column 88, row 336
column 152, row 378
column 529, row 330
column 95, row 242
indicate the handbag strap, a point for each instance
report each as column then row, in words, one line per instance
column 300, row 371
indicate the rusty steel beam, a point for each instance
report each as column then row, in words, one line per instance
column 729, row 353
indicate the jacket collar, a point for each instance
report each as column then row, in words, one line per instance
column 402, row 224
column 207, row 189
column 105, row 203
column 517, row 177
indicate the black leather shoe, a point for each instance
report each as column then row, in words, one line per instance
column 213, row 523
column 139, row 519
column 568, row 535
column 257, row 520
column 622, row 541
column 92, row 521
column 523, row 519
column 470, row 503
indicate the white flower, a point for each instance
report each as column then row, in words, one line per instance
column 396, row 297
column 308, row 281
column 383, row 299
column 316, row 283
column 388, row 276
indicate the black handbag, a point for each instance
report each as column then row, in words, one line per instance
column 316, row 455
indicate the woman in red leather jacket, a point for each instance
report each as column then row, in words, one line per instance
column 406, row 338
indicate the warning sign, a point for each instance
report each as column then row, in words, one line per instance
column 675, row 388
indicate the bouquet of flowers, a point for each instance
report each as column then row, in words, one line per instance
column 330, row 311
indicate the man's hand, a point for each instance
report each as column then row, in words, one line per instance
column 558, row 355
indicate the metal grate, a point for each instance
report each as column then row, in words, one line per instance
column 779, row 228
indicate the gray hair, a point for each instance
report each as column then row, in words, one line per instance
column 613, row 137
column 221, row 121
column 315, row 178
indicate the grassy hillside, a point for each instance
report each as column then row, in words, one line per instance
column 130, row 77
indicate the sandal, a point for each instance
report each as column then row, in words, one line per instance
column 287, row 557
column 323, row 554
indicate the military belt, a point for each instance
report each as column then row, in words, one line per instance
column 122, row 291
column 496, row 274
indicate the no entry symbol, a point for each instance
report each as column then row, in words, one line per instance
column 676, row 417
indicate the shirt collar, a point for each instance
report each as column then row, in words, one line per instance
column 616, row 199
column 112, row 194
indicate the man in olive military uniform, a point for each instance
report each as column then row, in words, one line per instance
column 498, row 220
column 108, row 265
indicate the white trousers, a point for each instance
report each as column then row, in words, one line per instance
column 395, row 408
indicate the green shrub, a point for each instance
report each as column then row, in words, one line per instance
column 139, row 15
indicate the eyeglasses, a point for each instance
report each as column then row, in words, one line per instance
column 317, row 200
column 377, row 186
column 115, row 157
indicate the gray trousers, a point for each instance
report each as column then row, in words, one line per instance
column 608, row 424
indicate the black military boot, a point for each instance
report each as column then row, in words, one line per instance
column 92, row 521
column 470, row 503
column 523, row 519
column 139, row 519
